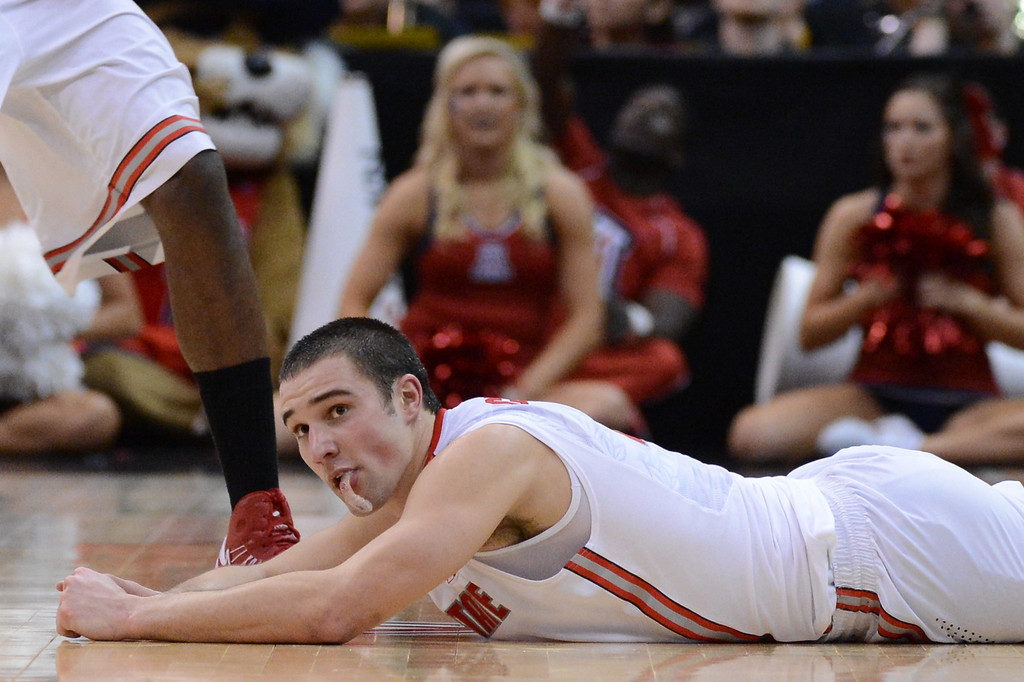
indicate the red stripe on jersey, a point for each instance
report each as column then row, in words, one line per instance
column 682, row 614
column 118, row 191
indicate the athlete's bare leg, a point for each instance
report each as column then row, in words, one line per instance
column 220, row 327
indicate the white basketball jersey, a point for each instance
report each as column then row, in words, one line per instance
column 678, row 550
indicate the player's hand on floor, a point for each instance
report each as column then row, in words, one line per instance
column 92, row 605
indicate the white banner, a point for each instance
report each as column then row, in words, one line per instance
column 349, row 183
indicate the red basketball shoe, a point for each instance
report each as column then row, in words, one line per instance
column 261, row 527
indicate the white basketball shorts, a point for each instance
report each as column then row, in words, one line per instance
column 925, row 551
column 97, row 113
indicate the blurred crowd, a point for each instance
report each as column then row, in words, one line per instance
column 606, row 336
column 729, row 27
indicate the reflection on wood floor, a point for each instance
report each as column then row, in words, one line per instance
column 160, row 525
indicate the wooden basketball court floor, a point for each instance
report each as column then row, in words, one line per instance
column 160, row 523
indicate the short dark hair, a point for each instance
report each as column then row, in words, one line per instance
column 379, row 351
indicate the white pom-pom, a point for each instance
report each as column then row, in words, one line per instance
column 56, row 367
column 37, row 320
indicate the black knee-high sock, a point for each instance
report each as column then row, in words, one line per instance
column 239, row 403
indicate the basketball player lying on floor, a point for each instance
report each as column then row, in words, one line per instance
column 531, row 521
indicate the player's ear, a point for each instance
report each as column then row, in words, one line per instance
column 409, row 394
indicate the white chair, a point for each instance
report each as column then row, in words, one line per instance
column 784, row 365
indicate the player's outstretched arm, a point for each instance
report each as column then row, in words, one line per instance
column 95, row 604
column 453, row 509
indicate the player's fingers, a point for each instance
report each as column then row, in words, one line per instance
column 63, row 632
column 62, row 628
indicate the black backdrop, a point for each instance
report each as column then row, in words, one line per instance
column 772, row 143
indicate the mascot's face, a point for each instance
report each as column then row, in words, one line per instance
column 247, row 99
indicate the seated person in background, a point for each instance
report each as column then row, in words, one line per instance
column 146, row 374
column 939, row 261
column 655, row 257
column 44, row 407
column 396, row 16
column 516, row 19
column 611, row 24
column 76, row 418
column 850, row 26
column 530, row 521
column 748, row 28
column 521, row 19
column 924, row 28
column 983, row 26
column 272, row 22
column 881, row 27
column 628, row 23
column 494, row 237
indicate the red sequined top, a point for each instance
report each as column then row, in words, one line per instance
column 481, row 308
column 904, row 343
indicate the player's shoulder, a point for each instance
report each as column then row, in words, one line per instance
column 475, row 412
column 479, row 419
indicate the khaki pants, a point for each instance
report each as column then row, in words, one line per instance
column 149, row 396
